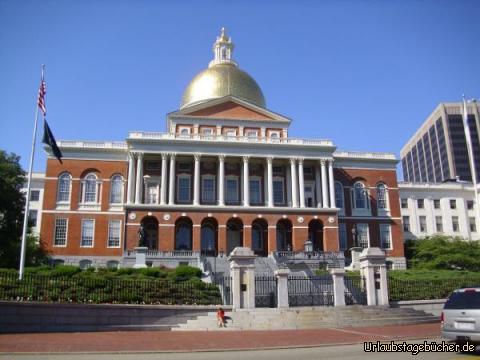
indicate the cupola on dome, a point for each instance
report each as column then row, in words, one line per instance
column 222, row 78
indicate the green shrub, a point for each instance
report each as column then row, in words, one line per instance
column 65, row 270
column 183, row 273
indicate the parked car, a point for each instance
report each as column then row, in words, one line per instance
column 461, row 316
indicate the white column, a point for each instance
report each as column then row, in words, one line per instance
column 301, row 183
column 318, row 187
column 196, row 180
column 163, row 185
column 139, row 181
column 293, row 174
column 131, row 178
column 270, row 181
column 324, row 184
column 288, row 179
column 171, row 185
column 331, row 183
column 246, row 192
column 221, row 180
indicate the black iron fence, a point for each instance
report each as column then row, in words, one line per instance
column 310, row 290
column 355, row 291
column 265, row 291
column 224, row 284
column 88, row 289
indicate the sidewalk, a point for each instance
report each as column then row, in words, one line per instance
column 164, row 341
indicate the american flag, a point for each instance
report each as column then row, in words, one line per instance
column 41, row 97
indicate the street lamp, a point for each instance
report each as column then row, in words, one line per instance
column 308, row 248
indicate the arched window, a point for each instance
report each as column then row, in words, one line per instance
column 208, row 241
column 116, row 189
column 183, row 235
column 112, row 264
column 360, row 196
column 85, row 264
column 90, row 189
column 382, row 201
column 339, row 198
column 63, row 191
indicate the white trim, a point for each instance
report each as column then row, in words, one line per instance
column 299, row 227
column 313, row 186
column 384, row 211
column 183, row 176
column 209, row 177
column 66, row 203
column 66, row 232
column 122, row 191
column 236, row 178
column 370, row 217
column 368, row 233
column 282, row 179
column 81, row 234
column 389, row 233
column 119, row 234
column 259, row 179
column 151, row 180
column 81, row 212
column 330, row 227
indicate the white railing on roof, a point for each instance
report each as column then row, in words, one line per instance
column 92, row 144
column 145, row 135
column 364, row 155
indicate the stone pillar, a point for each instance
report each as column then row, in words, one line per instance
column 282, row 287
column 293, row 174
column 331, row 183
column 171, row 184
column 242, row 269
column 246, row 177
column 139, row 181
column 163, row 180
column 196, row 180
column 338, row 286
column 221, row 180
column 301, row 183
column 374, row 269
column 131, row 178
column 270, row 181
column 140, row 257
column 318, row 187
column 324, row 184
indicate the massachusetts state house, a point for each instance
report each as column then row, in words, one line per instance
column 225, row 173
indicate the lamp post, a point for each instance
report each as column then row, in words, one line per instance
column 308, row 248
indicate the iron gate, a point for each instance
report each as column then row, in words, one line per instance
column 355, row 292
column 224, row 283
column 310, row 290
column 265, row 291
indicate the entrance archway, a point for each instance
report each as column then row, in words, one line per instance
column 208, row 237
column 260, row 237
column 284, row 235
column 315, row 234
column 150, row 225
column 234, row 234
column 183, row 234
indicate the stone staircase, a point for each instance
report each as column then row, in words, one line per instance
column 309, row 318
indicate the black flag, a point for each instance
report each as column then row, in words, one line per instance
column 48, row 139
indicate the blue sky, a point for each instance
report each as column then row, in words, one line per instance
column 365, row 74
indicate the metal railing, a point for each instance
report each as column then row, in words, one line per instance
column 310, row 290
column 334, row 259
column 265, row 291
column 167, row 254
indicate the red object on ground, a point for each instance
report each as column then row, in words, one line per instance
column 125, row 341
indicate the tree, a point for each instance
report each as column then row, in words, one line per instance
column 12, row 203
column 443, row 253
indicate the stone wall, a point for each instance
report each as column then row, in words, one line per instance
column 433, row 307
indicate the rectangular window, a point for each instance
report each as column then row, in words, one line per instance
column 114, row 227
column 153, row 166
column 423, row 223
column 278, row 193
column 342, row 235
column 406, row 223
column 385, row 236
column 251, row 133
column 60, row 232
column 453, row 204
column 362, row 235
column 151, row 193
column 455, row 226
column 231, row 186
column 231, row 132
column 183, row 192
column 436, row 203
column 32, row 217
column 470, row 204
column 255, row 191
column 88, row 226
column 207, row 131
column 208, row 189
column 438, row 224
column 404, row 203
column 420, row 203
column 34, row 195
column 473, row 224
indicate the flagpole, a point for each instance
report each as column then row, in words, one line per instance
column 29, row 184
column 473, row 170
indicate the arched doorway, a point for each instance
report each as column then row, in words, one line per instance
column 183, row 234
column 284, row 235
column 150, row 226
column 315, row 234
column 234, row 234
column 208, row 237
column 260, row 237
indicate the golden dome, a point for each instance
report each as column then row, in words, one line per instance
column 222, row 78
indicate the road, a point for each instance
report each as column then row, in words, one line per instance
column 346, row 352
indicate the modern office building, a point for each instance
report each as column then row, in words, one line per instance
column 225, row 173
column 438, row 150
